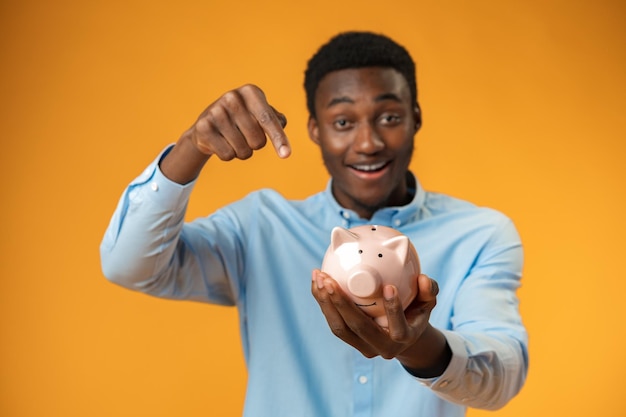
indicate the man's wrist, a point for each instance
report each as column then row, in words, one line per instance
column 184, row 162
column 429, row 357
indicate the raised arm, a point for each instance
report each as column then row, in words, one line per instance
column 142, row 248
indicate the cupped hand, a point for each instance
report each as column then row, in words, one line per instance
column 409, row 336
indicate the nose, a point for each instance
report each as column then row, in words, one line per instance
column 364, row 282
column 367, row 139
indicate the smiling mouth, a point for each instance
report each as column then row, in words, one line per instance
column 365, row 305
column 369, row 168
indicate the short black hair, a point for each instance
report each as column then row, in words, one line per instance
column 357, row 50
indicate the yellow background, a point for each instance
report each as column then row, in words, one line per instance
column 523, row 106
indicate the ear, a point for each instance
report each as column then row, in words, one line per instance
column 339, row 236
column 314, row 130
column 417, row 116
column 399, row 245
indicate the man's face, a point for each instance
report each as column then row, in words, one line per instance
column 365, row 123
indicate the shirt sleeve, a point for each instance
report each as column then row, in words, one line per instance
column 148, row 247
column 488, row 340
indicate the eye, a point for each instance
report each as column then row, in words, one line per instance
column 341, row 124
column 360, row 251
column 390, row 119
column 380, row 255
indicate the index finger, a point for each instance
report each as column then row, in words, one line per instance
column 271, row 121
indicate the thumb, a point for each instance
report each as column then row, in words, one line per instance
column 428, row 289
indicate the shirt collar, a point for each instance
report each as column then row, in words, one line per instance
column 395, row 216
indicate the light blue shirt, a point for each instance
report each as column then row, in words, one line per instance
column 258, row 254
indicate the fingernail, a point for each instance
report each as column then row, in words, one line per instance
column 284, row 151
column 319, row 281
column 389, row 292
column 329, row 287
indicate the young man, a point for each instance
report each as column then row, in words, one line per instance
column 362, row 98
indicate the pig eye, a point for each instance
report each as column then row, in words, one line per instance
column 373, row 228
column 380, row 255
column 360, row 251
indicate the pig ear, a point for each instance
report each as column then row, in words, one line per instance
column 339, row 236
column 399, row 245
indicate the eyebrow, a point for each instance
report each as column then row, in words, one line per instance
column 382, row 97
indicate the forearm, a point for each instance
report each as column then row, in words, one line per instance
column 184, row 162
column 487, row 337
column 485, row 371
column 142, row 235
column 430, row 357
column 481, row 372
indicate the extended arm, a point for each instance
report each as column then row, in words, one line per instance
column 481, row 362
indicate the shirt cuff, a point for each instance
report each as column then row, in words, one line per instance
column 152, row 185
column 456, row 368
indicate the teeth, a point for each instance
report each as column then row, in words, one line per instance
column 371, row 167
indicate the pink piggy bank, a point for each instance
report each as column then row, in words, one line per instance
column 365, row 258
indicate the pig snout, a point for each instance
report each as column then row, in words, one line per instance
column 364, row 282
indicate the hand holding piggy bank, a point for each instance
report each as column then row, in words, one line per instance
column 365, row 258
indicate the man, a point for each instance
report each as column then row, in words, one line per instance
column 362, row 98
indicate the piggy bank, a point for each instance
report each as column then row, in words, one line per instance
column 365, row 258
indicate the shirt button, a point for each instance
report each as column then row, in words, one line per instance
column 345, row 215
column 154, row 186
column 397, row 222
column 363, row 379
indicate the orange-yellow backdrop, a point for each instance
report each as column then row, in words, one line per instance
column 523, row 111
